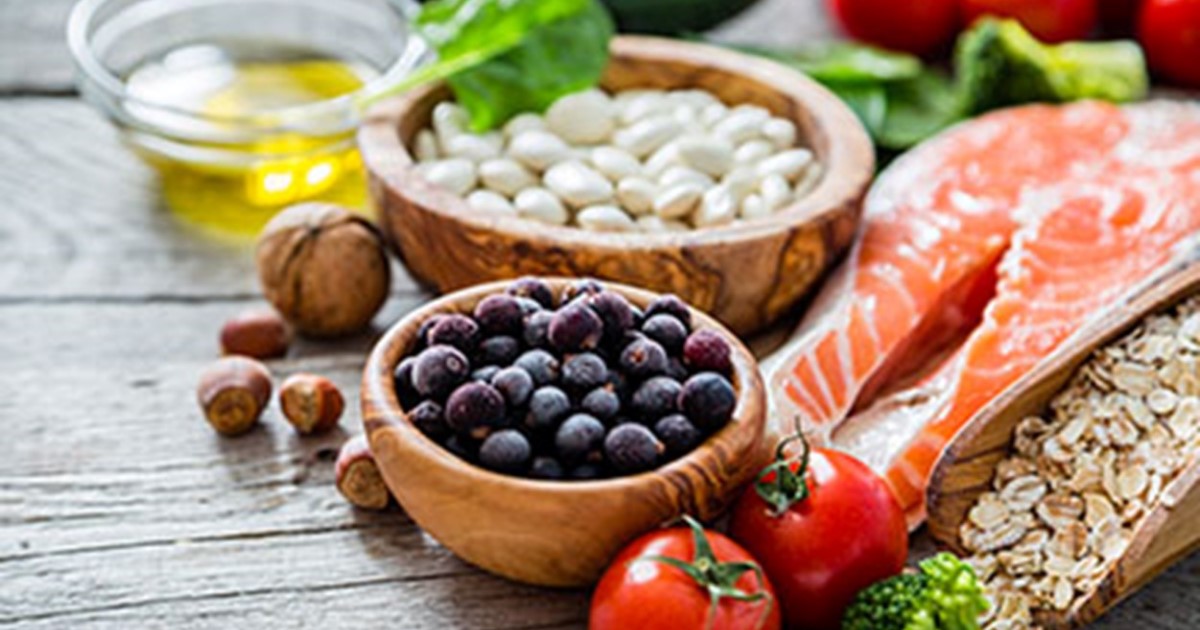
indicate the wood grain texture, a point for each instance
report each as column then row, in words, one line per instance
column 119, row 508
column 747, row 275
column 967, row 466
column 552, row 533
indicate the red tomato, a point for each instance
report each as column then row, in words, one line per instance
column 921, row 27
column 1169, row 30
column 1049, row 20
column 821, row 549
column 1117, row 17
column 640, row 591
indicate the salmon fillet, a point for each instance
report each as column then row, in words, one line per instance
column 981, row 252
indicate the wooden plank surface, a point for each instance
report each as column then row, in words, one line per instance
column 119, row 508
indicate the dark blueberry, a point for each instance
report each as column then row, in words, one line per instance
column 585, row 472
column 438, row 370
column 402, row 377
column 515, row 384
column 575, row 327
column 528, row 307
column 617, row 382
column 475, row 409
column 546, row 468
column 505, row 451
column 655, row 398
column 671, row 305
column 579, row 439
column 707, row 351
column 428, row 417
column 485, row 373
column 537, row 329
column 601, row 402
column 541, row 365
column 616, row 314
column 583, row 372
column 500, row 350
column 667, row 331
column 632, row 448
column 499, row 314
column 676, row 369
column 643, row 358
column 423, row 331
column 459, row 446
column 707, row 399
column 678, row 434
column 583, row 286
column 547, row 406
column 533, row 289
column 455, row 330
column 639, row 317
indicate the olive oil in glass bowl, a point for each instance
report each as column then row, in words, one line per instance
column 242, row 106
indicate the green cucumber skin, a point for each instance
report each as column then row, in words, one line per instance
column 673, row 17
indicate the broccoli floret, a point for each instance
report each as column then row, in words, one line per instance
column 999, row 64
column 943, row 595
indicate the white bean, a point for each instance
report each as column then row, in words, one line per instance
column 505, row 176
column 425, row 146
column 698, row 99
column 542, row 205
column 665, row 157
column 687, row 116
column 476, row 148
column 636, row 194
column 679, row 174
column 584, row 117
column 781, row 132
column 710, row 155
column 538, row 150
column 741, row 180
column 717, row 207
column 651, row 223
column 577, row 184
column 678, row 201
column 753, row 207
column 615, row 163
column 713, row 113
column 454, row 174
column 489, row 202
column 808, row 181
column 741, row 124
column 523, row 122
column 752, row 151
column 774, row 190
column 642, row 105
column 449, row 120
column 647, row 135
column 789, row 164
column 604, row 218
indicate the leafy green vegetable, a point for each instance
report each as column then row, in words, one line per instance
column 505, row 56
column 848, row 63
column 1001, row 64
column 918, row 108
column 943, row 595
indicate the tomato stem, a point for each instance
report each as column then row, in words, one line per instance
column 716, row 577
column 787, row 487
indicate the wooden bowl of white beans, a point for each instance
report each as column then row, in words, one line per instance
column 729, row 180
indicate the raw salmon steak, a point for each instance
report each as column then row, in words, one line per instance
column 981, row 252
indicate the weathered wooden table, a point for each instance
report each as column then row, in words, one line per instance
column 119, row 507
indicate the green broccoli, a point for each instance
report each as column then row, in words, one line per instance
column 1000, row 64
column 943, row 595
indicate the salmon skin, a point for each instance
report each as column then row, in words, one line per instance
column 981, row 251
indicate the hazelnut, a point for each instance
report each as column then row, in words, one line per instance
column 358, row 477
column 260, row 333
column 323, row 268
column 233, row 392
column 311, row 403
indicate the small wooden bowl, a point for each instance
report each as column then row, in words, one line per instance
column 747, row 275
column 966, row 467
column 551, row 533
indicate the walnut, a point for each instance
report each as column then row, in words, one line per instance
column 324, row 269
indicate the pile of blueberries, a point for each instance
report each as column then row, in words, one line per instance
column 593, row 388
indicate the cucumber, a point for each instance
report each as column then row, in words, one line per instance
column 673, row 17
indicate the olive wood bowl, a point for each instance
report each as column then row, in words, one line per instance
column 746, row 274
column 966, row 467
column 551, row 533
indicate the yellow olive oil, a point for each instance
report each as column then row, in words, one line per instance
column 241, row 144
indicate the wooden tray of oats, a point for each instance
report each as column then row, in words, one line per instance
column 1081, row 482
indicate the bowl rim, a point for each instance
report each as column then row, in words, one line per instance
column 848, row 164
column 381, row 408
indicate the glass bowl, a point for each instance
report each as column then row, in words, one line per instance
column 194, row 86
